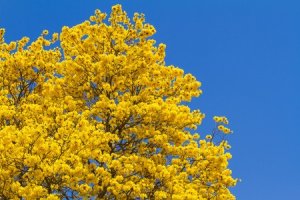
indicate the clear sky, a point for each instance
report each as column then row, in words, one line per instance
column 246, row 53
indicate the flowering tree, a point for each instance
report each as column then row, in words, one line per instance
column 94, row 112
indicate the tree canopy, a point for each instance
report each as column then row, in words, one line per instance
column 95, row 112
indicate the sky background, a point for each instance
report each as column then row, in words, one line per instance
column 246, row 53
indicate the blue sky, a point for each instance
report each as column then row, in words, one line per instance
column 245, row 53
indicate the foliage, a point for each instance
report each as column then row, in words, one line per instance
column 94, row 112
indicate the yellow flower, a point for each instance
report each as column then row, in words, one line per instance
column 96, row 112
column 45, row 32
column 208, row 137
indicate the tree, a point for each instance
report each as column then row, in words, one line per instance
column 94, row 112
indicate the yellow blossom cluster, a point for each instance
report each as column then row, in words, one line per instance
column 94, row 112
column 220, row 120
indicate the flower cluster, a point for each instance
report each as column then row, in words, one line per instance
column 220, row 120
column 94, row 112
